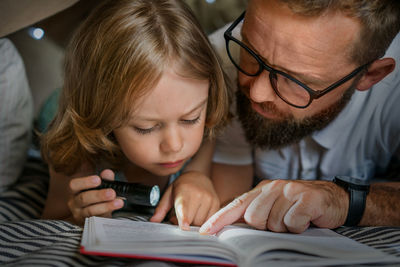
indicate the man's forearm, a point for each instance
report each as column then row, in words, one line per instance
column 383, row 205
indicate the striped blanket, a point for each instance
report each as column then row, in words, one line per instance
column 25, row 240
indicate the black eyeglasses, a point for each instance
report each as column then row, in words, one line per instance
column 289, row 89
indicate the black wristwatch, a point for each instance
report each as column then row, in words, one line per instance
column 358, row 190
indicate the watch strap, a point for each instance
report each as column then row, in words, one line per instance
column 358, row 191
column 357, row 200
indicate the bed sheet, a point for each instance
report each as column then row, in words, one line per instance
column 27, row 240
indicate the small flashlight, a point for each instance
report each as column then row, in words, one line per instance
column 134, row 193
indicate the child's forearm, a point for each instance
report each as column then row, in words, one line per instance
column 57, row 196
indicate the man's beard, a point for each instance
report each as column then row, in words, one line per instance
column 272, row 134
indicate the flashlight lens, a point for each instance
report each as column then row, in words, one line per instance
column 154, row 195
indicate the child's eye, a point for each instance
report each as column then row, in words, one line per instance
column 194, row 121
column 143, row 131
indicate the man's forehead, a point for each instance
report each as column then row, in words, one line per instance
column 306, row 44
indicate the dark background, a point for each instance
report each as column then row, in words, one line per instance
column 44, row 58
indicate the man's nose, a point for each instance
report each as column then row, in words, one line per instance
column 172, row 140
column 261, row 89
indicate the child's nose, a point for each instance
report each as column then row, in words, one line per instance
column 172, row 141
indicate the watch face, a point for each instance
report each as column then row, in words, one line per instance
column 352, row 181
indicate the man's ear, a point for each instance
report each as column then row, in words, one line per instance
column 378, row 70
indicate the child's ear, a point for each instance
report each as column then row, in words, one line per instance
column 378, row 70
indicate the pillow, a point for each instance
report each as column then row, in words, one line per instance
column 16, row 114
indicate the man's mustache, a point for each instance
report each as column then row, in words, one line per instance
column 265, row 106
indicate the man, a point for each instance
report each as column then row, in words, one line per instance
column 317, row 121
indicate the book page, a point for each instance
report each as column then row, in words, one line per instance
column 121, row 231
column 126, row 237
column 314, row 247
column 237, row 244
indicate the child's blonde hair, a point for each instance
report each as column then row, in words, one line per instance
column 115, row 57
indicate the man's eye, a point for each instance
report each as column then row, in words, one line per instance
column 143, row 131
column 194, row 121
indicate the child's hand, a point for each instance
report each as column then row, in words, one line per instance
column 193, row 197
column 101, row 202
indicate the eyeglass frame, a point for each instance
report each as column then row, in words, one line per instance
column 262, row 66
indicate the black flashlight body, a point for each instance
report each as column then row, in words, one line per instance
column 134, row 193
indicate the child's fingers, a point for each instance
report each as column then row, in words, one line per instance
column 185, row 212
column 106, row 215
column 107, row 174
column 172, row 219
column 91, row 197
column 102, row 208
column 78, row 184
column 201, row 214
column 215, row 206
column 208, row 207
column 163, row 207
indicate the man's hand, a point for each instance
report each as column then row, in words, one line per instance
column 193, row 197
column 285, row 206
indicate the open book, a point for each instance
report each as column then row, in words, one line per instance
column 234, row 245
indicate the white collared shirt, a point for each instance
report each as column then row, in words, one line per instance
column 360, row 142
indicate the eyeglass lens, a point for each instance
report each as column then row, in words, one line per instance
column 288, row 90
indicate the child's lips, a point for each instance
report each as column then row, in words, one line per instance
column 171, row 164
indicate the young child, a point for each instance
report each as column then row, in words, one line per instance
column 142, row 89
